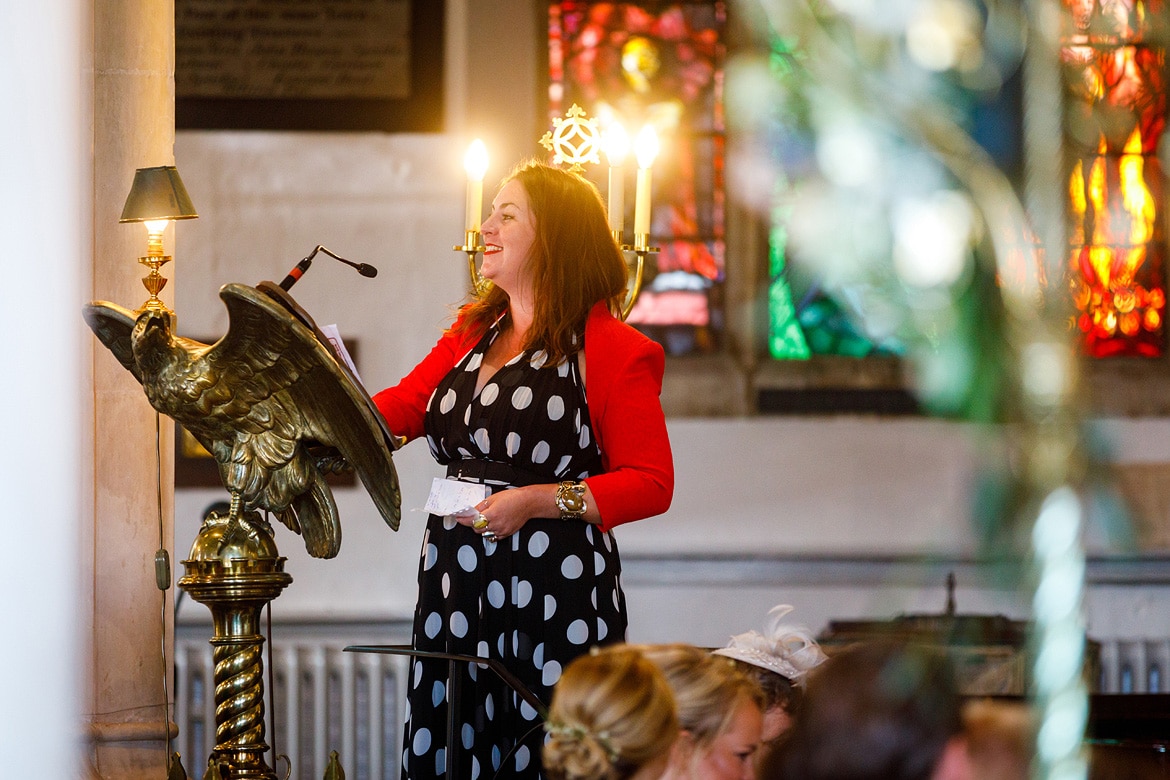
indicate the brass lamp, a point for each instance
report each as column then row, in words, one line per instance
column 156, row 197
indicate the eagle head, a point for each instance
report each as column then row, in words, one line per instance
column 150, row 340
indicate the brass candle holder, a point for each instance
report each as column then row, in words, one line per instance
column 641, row 248
column 472, row 247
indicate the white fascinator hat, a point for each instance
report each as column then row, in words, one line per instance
column 788, row 650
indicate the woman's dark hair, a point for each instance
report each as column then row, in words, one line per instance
column 778, row 690
column 575, row 262
column 872, row 712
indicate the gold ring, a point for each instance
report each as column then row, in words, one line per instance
column 489, row 536
column 481, row 522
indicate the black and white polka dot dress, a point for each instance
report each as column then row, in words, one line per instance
column 535, row 600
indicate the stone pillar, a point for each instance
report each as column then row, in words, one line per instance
column 133, row 127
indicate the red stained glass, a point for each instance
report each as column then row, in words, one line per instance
column 1116, row 79
column 658, row 63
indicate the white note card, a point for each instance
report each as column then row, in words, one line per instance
column 334, row 335
column 454, row 497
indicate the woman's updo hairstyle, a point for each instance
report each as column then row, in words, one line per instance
column 612, row 712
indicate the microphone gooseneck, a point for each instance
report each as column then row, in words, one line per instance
column 365, row 269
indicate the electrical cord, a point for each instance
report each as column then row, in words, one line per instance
column 162, row 578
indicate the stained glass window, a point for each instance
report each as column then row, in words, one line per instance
column 659, row 63
column 1116, row 79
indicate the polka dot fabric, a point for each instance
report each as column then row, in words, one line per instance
column 534, row 601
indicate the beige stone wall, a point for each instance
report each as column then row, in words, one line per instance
column 133, row 127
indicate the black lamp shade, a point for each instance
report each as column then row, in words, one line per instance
column 157, row 193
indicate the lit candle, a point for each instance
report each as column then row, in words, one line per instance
column 617, row 146
column 646, row 149
column 475, row 162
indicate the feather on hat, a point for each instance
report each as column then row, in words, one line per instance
column 789, row 651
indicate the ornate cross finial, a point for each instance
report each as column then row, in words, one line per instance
column 574, row 140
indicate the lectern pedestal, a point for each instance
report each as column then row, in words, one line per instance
column 235, row 570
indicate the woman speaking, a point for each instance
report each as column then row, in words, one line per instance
column 540, row 393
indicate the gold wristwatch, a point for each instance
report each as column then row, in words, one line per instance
column 571, row 500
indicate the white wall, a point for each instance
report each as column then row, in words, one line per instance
column 45, row 181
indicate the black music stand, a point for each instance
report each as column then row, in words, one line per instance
column 453, row 687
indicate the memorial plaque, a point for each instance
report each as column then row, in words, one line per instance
column 309, row 64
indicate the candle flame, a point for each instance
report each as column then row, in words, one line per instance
column 617, row 144
column 475, row 162
column 646, row 146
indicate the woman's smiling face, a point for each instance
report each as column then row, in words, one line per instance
column 508, row 235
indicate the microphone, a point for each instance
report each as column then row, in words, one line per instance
column 296, row 273
column 299, row 269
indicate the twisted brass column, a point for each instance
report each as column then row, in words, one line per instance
column 235, row 570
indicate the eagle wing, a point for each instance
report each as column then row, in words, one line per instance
column 293, row 382
column 114, row 327
column 113, row 324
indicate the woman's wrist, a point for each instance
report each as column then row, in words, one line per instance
column 542, row 502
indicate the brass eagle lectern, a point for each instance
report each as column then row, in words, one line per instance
column 277, row 410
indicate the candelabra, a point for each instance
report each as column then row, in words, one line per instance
column 575, row 139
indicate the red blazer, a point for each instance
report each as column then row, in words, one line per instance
column 623, row 382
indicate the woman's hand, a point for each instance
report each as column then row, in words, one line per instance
column 504, row 513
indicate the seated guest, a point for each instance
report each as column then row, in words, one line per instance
column 876, row 712
column 613, row 717
column 778, row 660
column 720, row 711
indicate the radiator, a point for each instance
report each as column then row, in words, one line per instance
column 322, row 699
column 1134, row 666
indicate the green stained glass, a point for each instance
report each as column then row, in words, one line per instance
column 785, row 339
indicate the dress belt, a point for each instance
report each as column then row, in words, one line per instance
column 475, row 470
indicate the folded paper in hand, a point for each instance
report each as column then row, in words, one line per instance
column 453, row 497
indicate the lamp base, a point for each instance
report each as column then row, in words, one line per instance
column 154, row 282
